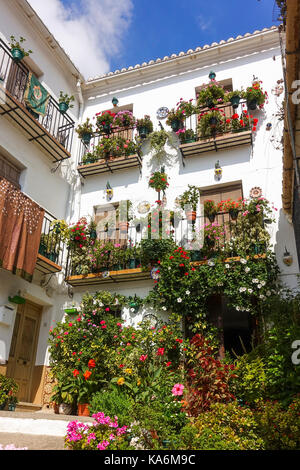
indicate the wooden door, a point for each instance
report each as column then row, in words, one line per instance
column 23, row 348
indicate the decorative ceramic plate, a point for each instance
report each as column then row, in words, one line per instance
column 162, row 113
column 143, row 207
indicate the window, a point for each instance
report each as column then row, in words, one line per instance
column 10, row 171
column 124, row 133
column 227, row 85
column 231, row 191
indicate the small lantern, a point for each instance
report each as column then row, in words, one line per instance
column 218, row 171
column 115, row 101
column 212, row 75
column 268, row 126
column 109, row 191
column 287, row 258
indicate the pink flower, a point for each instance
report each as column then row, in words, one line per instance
column 102, row 322
column 143, row 357
column 177, row 390
column 160, row 351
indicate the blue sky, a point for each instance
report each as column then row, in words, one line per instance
column 171, row 26
column 105, row 35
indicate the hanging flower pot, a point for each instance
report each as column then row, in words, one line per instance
column 233, row 213
column 235, row 101
column 213, row 122
column 63, row 107
column 107, row 129
column 123, row 227
column 191, row 216
column 211, row 217
column 252, row 104
column 86, row 138
column 143, row 132
column 176, row 125
column 83, row 409
column 17, row 54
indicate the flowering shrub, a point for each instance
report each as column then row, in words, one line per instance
column 175, row 115
column 187, row 107
column 211, row 123
column 145, row 123
column 186, row 135
column 105, row 118
column 210, row 94
column 124, row 119
column 255, row 92
column 114, row 147
column 104, row 433
column 208, row 378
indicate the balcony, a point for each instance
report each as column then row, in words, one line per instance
column 93, row 164
column 51, row 250
column 53, row 132
column 217, row 242
column 226, row 139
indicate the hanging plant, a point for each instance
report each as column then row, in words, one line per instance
column 104, row 121
column 175, row 119
column 210, row 95
column 17, row 51
column 85, row 131
column 159, row 181
column 255, row 95
column 144, row 126
column 124, row 119
column 211, row 123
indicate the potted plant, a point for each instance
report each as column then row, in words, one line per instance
column 210, row 95
column 8, row 392
column 187, row 107
column 255, row 96
column 232, row 207
column 50, row 246
column 159, row 181
column 17, row 51
column 92, row 227
column 12, row 401
column 85, row 131
column 210, row 210
column 175, row 119
column 144, row 126
column 65, row 102
column 186, row 136
column 124, row 119
column 89, row 158
column 190, row 197
column 105, row 121
column 211, row 123
column 234, row 98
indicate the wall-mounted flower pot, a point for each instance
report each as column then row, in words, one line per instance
column 63, row 107
column 70, row 311
column 189, row 140
column 86, row 138
column 191, row 216
column 107, row 129
column 176, row 125
column 211, row 217
column 143, row 132
column 252, row 104
column 83, row 409
column 17, row 54
column 235, row 101
column 233, row 213
column 93, row 234
column 123, row 227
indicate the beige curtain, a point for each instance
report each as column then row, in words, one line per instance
column 20, row 230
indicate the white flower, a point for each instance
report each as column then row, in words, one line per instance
column 169, row 268
column 220, row 284
column 263, row 297
column 187, row 292
column 263, row 283
column 132, row 310
column 164, row 308
column 179, row 300
column 237, row 308
column 242, row 289
column 255, row 281
column 250, row 291
column 243, row 261
column 227, row 266
column 211, row 263
column 268, row 293
column 259, row 286
column 247, row 269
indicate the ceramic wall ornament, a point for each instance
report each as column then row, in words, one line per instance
column 105, row 274
column 143, row 207
column 218, row 171
column 287, row 258
column 109, row 192
column 255, row 192
column 162, row 113
column 268, row 126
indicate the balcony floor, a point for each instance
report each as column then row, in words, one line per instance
column 220, row 142
column 46, row 266
column 125, row 275
column 110, row 166
column 17, row 114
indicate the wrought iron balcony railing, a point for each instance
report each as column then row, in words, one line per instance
column 53, row 131
column 52, row 247
column 221, row 237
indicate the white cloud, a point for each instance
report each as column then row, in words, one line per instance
column 90, row 31
column 204, row 23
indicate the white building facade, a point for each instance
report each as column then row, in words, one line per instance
column 56, row 185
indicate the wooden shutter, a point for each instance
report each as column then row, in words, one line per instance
column 113, row 235
column 10, row 172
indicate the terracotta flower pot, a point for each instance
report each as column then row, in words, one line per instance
column 123, row 227
column 83, row 409
column 56, row 408
column 191, row 216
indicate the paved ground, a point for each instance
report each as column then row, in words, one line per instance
column 39, row 430
column 32, row 442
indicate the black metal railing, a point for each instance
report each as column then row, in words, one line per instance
column 89, row 148
column 227, row 110
column 52, row 245
column 14, row 79
column 204, row 239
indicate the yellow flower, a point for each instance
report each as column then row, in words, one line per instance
column 128, row 371
column 138, row 382
column 121, row 381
